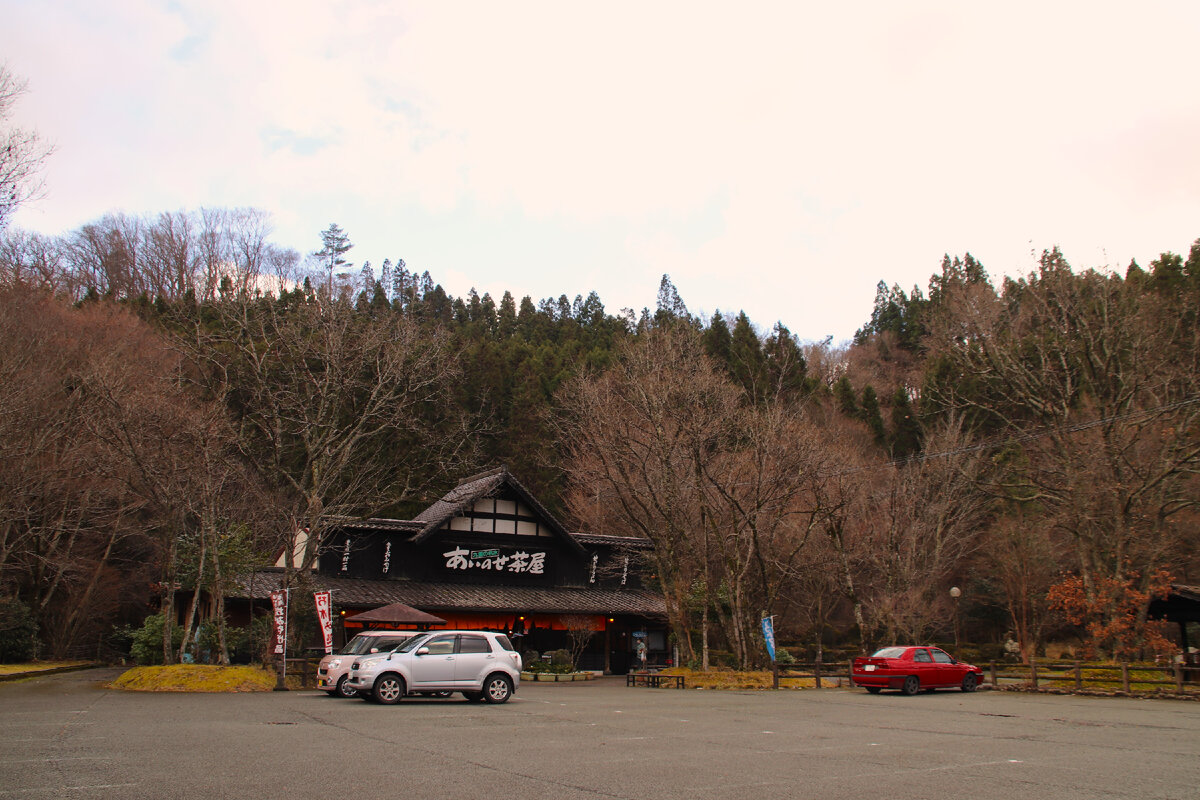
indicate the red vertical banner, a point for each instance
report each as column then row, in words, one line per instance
column 279, row 605
column 325, row 615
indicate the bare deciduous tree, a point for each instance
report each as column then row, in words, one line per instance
column 341, row 414
column 1094, row 381
column 22, row 152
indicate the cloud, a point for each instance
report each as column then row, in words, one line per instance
column 777, row 157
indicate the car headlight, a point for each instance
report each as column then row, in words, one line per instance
column 337, row 662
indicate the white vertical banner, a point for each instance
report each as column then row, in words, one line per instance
column 279, row 606
column 325, row 615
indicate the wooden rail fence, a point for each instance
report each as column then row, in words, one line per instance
column 1076, row 675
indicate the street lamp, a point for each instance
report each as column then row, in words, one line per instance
column 955, row 593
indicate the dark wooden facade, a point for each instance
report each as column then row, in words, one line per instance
column 489, row 556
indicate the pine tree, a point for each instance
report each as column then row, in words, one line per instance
column 670, row 304
column 906, row 431
column 718, row 342
column 366, row 277
column 385, row 277
column 871, row 414
column 843, row 393
column 747, row 362
column 335, row 244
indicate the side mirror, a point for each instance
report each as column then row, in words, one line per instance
column 422, row 651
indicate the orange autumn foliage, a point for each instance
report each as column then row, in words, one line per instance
column 1113, row 615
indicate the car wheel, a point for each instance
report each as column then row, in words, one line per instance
column 970, row 681
column 874, row 689
column 474, row 697
column 343, row 690
column 912, row 685
column 389, row 689
column 497, row 689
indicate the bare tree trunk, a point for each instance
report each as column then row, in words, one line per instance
column 194, row 606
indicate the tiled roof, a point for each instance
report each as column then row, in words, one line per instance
column 434, row 597
column 462, row 495
column 378, row 524
column 615, row 541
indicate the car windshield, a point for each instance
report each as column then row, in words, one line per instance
column 412, row 643
column 889, row 652
column 356, row 646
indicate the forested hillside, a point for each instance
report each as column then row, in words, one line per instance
column 181, row 396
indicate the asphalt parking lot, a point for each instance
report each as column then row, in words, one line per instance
column 67, row 736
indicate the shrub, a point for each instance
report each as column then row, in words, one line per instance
column 546, row 667
column 561, row 657
column 18, row 632
column 146, row 642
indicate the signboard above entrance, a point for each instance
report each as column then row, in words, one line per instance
column 517, row 561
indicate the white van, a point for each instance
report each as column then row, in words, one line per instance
column 333, row 669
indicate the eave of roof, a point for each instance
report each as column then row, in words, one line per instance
column 443, row 597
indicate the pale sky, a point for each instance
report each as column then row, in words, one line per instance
column 777, row 158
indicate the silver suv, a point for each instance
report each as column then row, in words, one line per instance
column 480, row 664
column 334, row 669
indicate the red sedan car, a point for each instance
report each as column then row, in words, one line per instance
column 912, row 670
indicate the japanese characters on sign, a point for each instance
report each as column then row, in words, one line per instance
column 325, row 616
column 518, row 562
column 387, row 558
column 279, row 608
column 346, row 556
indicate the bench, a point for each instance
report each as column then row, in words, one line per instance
column 654, row 680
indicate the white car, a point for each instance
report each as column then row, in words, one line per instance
column 334, row 669
column 481, row 664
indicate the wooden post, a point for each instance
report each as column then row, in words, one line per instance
column 993, row 673
column 1078, row 677
column 817, row 671
column 1033, row 679
column 1179, row 678
column 774, row 675
column 1125, row 677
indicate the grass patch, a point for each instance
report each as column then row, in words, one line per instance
column 38, row 666
column 195, row 678
column 731, row 679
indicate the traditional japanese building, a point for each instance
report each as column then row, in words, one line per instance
column 489, row 556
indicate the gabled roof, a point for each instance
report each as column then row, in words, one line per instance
column 477, row 487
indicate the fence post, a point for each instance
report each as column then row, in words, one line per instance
column 993, row 673
column 1033, row 680
column 1179, row 678
column 1078, row 677
column 817, row 671
column 774, row 674
column 1125, row 677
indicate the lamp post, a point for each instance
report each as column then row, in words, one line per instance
column 955, row 593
